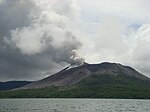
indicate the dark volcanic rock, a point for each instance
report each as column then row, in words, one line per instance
column 72, row 76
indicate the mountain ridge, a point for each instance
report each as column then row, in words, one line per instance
column 9, row 85
column 69, row 77
column 104, row 80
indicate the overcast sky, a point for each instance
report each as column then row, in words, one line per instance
column 38, row 38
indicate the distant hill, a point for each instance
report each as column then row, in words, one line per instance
column 104, row 80
column 12, row 85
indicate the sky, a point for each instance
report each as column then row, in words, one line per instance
column 39, row 38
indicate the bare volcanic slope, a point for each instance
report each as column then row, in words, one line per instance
column 75, row 76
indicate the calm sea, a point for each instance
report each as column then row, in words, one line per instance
column 74, row 105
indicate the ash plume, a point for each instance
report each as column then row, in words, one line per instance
column 36, row 38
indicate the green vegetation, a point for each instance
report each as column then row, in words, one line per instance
column 95, row 86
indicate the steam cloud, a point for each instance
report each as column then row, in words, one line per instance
column 36, row 38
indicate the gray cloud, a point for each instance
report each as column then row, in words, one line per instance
column 140, row 53
column 36, row 38
column 118, row 41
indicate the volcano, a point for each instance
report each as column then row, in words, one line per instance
column 76, row 75
column 104, row 80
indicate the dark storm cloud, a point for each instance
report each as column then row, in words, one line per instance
column 34, row 39
column 14, row 14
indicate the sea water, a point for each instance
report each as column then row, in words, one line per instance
column 74, row 105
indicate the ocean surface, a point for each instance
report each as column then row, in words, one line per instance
column 74, row 105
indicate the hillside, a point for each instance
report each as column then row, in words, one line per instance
column 12, row 85
column 105, row 80
column 73, row 76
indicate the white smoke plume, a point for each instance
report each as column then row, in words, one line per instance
column 38, row 35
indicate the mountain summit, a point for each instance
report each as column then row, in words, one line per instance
column 76, row 75
column 104, row 80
